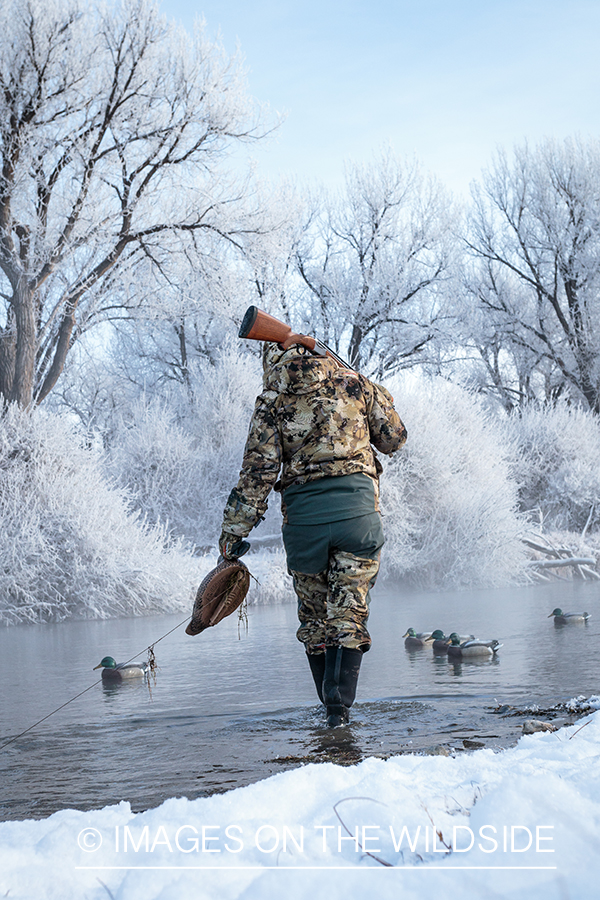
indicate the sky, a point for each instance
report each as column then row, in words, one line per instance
column 446, row 81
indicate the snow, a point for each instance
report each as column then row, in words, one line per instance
column 522, row 822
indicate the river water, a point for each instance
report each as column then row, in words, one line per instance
column 231, row 706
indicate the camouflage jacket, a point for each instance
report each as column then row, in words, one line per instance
column 312, row 420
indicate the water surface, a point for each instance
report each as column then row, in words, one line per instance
column 228, row 709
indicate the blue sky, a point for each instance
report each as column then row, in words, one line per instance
column 447, row 82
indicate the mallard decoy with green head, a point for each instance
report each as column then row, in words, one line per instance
column 414, row 640
column 112, row 671
column 441, row 642
column 471, row 648
column 563, row 618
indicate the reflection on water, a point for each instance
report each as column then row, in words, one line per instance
column 228, row 710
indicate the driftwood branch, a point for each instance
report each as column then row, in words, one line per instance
column 583, row 567
column 587, row 524
column 560, row 563
column 548, row 551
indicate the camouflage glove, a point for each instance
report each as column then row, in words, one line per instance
column 231, row 546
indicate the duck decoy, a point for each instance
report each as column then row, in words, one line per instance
column 562, row 618
column 441, row 642
column 112, row 671
column 413, row 640
column 471, row 648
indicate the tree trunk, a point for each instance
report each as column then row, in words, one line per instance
column 21, row 389
column 7, row 360
column 355, row 342
column 63, row 345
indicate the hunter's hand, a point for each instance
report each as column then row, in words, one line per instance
column 231, row 546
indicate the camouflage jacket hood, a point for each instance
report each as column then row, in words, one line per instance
column 312, row 420
column 296, row 372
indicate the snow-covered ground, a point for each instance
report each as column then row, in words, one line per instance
column 519, row 823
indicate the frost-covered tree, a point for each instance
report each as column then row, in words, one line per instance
column 179, row 456
column 555, row 454
column 188, row 322
column 192, row 320
column 112, row 124
column 534, row 287
column 375, row 262
column 449, row 498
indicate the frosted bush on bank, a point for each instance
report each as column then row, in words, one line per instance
column 448, row 497
column 71, row 544
column 180, row 456
column 556, row 453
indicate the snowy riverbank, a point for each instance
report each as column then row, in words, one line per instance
column 518, row 823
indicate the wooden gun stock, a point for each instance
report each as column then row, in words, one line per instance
column 260, row 326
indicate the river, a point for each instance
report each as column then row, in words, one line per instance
column 231, row 706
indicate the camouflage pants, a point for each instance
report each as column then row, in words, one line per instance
column 334, row 565
column 333, row 606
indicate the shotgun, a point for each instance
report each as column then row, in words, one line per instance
column 260, row 326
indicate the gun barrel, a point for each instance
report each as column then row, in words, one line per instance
column 327, row 351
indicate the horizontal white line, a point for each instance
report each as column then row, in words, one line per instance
column 316, row 868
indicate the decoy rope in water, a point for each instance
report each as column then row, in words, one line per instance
column 149, row 649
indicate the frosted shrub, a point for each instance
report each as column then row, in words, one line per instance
column 71, row 546
column 179, row 457
column 447, row 497
column 157, row 462
column 224, row 396
column 557, row 464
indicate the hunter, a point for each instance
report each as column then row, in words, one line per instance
column 311, row 438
